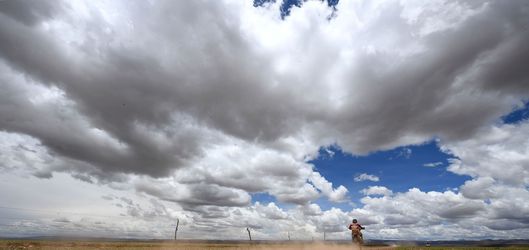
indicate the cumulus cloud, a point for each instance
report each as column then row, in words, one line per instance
column 427, row 214
column 366, row 177
column 497, row 153
column 498, row 162
column 433, row 164
column 271, row 211
column 202, row 104
column 143, row 103
column 491, row 203
column 325, row 186
column 376, row 190
column 414, row 207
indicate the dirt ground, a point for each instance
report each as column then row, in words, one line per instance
column 162, row 245
column 137, row 245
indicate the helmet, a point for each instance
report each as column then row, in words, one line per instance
column 355, row 221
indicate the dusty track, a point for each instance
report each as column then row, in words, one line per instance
column 134, row 245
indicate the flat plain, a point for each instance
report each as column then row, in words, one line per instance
column 162, row 245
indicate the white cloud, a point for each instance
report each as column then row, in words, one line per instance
column 336, row 195
column 491, row 204
column 497, row 152
column 376, row 190
column 366, row 177
column 271, row 211
column 480, row 188
column 405, row 153
column 433, row 164
column 311, row 210
column 497, row 159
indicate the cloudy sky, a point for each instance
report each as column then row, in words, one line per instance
column 119, row 117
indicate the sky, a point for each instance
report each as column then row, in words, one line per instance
column 118, row 118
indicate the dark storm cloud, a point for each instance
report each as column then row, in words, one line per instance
column 212, row 194
column 112, row 112
column 505, row 69
column 430, row 93
column 196, row 195
column 127, row 91
column 507, row 225
column 30, row 12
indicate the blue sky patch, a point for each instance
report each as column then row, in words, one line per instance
column 517, row 115
column 287, row 5
column 421, row 166
column 263, row 198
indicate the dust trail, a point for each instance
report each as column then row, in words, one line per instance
column 167, row 245
column 314, row 246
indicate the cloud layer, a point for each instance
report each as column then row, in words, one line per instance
column 202, row 104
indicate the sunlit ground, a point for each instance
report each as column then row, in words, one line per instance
column 78, row 245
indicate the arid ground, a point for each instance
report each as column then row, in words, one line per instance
column 137, row 245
